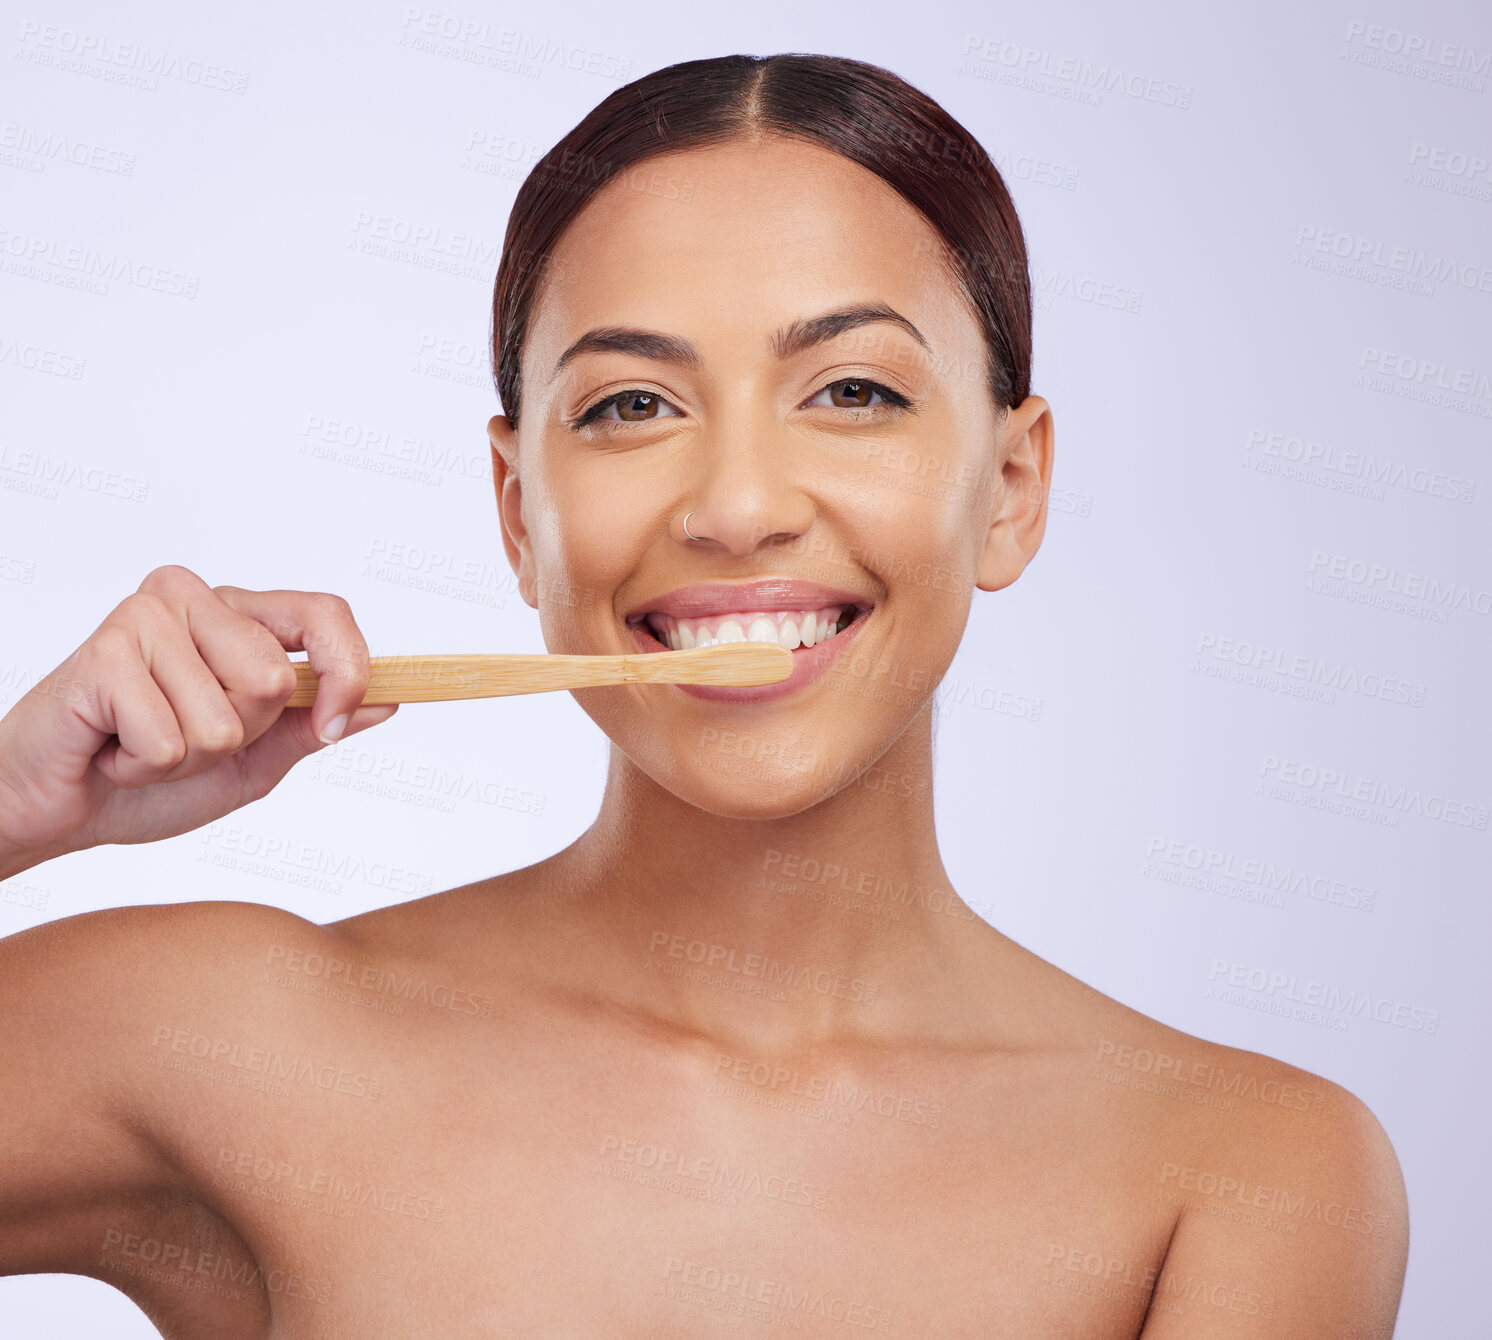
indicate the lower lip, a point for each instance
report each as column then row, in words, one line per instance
column 808, row 665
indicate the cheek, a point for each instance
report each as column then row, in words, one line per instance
column 926, row 519
column 587, row 538
column 925, row 546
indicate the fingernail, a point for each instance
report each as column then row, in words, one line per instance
column 332, row 731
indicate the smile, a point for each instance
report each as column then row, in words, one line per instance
column 788, row 628
column 813, row 621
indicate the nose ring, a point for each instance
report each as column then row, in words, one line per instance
column 689, row 532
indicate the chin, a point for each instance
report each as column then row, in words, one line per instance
column 756, row 793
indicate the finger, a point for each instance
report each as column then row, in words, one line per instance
column 133, row 707
column 243, row 656
column 206, row 721
column 321, row 625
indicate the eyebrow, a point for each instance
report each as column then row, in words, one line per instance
column 792, row 339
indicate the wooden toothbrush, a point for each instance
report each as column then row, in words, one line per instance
column 436, row 679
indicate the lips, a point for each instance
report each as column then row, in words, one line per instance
column 809, row 664
column 710, row 605
column 703, row 600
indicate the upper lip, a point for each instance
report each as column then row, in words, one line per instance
column 700, row 600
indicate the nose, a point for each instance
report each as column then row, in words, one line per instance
column 747, row 492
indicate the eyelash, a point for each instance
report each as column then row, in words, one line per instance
column 893, row 399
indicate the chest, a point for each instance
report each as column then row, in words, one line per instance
column 626, row 1194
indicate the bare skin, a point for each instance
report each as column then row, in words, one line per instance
column 676, row 1080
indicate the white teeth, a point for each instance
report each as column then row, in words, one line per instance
column 791, row 628
column 761, row 629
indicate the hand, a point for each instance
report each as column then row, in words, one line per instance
column 172, row 714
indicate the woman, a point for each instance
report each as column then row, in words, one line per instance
column 762, row 335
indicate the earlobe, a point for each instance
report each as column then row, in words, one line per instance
column 1027, row 444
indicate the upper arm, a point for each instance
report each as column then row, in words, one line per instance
column 84, row 1137
column 1296, row 1230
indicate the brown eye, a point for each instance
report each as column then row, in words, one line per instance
column 859, row 393
column 628, row 407
column 851, row 395
column 642, row 405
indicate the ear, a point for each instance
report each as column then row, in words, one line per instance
column 509, row 490
column 1024, row 446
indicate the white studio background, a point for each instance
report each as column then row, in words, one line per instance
column 1220, row 752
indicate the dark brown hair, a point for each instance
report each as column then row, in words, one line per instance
column 861, row 111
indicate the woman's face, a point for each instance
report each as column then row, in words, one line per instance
column 871, row 465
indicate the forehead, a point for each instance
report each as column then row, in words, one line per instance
column 744, row 236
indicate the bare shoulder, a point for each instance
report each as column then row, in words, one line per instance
column 100, row 965
column 97, row 991
column 1282, row 1187
column 95, row 1010
column 1217, row 1103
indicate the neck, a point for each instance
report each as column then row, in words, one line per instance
column 837, row 923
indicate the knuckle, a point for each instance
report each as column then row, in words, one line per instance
column 276, row 681
column 109, row 644
column 171, row 577
column 339, row 629
column 262, row 651
column 145, row 607
column 223, row 737
column 332, row 603
column 163, row 752
column 110, row 654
